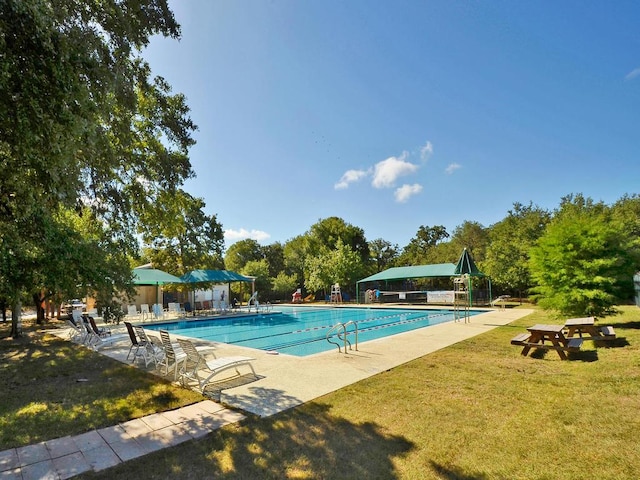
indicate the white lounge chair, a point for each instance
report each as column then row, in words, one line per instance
column 76, row 332
column 100, row 337
column 158, row 311
column 144, row 311
column 196, row 363
column 173, row 354
column 132, row 312
column 151, row 352
column 176, row 309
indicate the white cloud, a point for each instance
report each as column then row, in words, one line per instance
column 426, row 151
column 350, row 176
column 633, row 74
column 452, row 168
column 388, row 171
column 405, row 192
column 232, row 236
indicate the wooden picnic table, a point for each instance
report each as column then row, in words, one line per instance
column 550, row 337
column 586, row 329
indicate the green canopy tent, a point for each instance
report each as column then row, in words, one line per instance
column 465, row 265
column 210, row 277
column 409, row 272
column 153, row 276
column 213, row 276
column 145, row 275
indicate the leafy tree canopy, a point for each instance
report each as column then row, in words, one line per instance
column 179, row 236
column 241, row 253
column 510, row 240
column 82, row 126
column 581, row 265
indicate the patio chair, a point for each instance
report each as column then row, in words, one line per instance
column 173, row 354
column 135, row 343
column 144, row 311
column 158, row 311
column 195, row 362
column 132, row 311
column 76, row 332
column 100, row 337
column 101, row 332
column 151, row 353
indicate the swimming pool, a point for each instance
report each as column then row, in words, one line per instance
column 302, row 331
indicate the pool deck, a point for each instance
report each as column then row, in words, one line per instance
column 286, row 381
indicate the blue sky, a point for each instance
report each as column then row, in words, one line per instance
column 397, row 114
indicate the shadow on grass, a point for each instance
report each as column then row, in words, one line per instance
column 635, row 325
column 52, row 388
column 618, row 342
column 307, row 442
column 583, row 355
column 454, row 473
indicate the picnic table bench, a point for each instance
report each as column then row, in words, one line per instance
column 549, row 337
column 586, row 329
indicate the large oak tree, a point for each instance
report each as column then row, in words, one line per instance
column 85, row 130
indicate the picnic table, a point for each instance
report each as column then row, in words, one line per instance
column 550, row 337
column 586, row 329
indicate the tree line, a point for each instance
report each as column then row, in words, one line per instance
column 94, row 153
column 578, row 259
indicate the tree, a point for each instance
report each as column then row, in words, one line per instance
column 179, row 236
column 415, row 253
column 473, row 236
column 326, row 234
column 341, row 265
column 274, row 254
column 383, row 254
column 295, row 255
column 82, row 125
column 241, row 253
column 582, row 265
column 260, row 270
column 510, row 240
column 284, row 285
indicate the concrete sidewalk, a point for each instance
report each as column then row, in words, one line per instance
column 99, row 449
column 284, row 382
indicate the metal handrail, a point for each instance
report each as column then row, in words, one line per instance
column 342, row 335
column 355, row 331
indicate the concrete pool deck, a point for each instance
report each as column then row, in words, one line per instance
column 287, row 381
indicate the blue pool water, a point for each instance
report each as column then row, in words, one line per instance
column 302, row 331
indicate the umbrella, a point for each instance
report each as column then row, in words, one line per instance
column 467, row 265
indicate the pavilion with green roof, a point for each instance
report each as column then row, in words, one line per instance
column 391, row 277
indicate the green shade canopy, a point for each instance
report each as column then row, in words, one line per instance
column 153, row 276
column 213, row 276
column 415, row 271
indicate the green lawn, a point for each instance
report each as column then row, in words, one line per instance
column 475, row 410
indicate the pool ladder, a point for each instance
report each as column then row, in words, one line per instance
column 340, row 330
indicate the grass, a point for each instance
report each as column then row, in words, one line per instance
column 475, row 410
column 52, row 388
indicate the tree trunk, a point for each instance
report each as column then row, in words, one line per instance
column 38, row 299
column 16, row 319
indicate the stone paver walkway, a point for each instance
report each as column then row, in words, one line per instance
column 99, row 449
